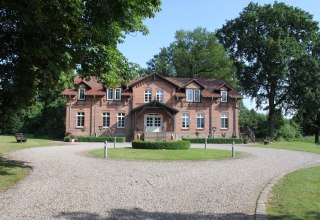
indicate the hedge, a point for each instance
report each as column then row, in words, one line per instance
column 215, row 140
column 101, row 139
column 170, row 145
column 67, row 139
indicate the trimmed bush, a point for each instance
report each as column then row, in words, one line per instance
column 67, row 139
column 170, row 145
column 215, row 140
column 101, row 139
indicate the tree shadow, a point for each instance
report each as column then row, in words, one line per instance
column 7, row 164
column 308, row 215
column 137, row 213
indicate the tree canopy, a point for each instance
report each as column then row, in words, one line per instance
column 44, row 42
column 194, row 53
column 264, row 42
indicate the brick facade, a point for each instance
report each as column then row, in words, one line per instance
column 163, row 116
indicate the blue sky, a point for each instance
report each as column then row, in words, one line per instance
column 187, row 15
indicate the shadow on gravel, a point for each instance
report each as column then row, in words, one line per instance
column 6, row 165
column 140, row 214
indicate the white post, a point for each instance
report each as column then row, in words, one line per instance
column 105, row 149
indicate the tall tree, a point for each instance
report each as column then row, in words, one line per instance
column 306, row 90
column 43, row 42
column 263, row 42
column 194, row 53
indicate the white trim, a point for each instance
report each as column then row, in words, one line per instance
column 105, row 115
column 224, row 95
column 78, row 116
column 80, row 90
column 121, row 115
column 200, row 116
column 186, row 116
column 147, row 95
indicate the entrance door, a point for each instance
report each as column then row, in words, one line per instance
column 153, row 122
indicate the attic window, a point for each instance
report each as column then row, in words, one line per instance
column 81, row 94
column 114, row 94
column 224, row 95
column 193, row 95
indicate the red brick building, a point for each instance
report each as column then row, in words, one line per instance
column 153, row 105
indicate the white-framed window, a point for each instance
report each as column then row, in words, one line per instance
column 109, row 94
column 105, row 119
column 147, row 95
column 193, row 95
column 120, row 120
column 189, row 95
column 197, row 95
column 80, row 119
column 159, row 96
column 81, row 94
column 224, row 95
column 224, row 121
column 200, row 121
column 117, row 94
column 185, row 121
column 114, row 94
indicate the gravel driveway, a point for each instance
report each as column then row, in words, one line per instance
column 66, row 184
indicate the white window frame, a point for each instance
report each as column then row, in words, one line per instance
column 189, row 95
column 185, row 121
column 147, row 95
column 224, row 95
column 110, row 91
column 114, row 93
column 121, row 120
column 106, row 119
column 193, row 95
column 80, row 119
column 159, row 95
column 200, row 117
column 224, row 121
column 117, row 94
column 81, row 92
column 197, row 95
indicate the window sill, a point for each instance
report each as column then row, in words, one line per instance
column 185, row 128
column 224, row 128
column 79, row 127
column 200, row 129
column 120, row 127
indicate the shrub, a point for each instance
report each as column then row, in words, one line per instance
column 215, row 140
column 289, row 130
column 170, row 145
column 101, row 139
column 67, row 139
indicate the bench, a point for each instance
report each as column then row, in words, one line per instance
column 20, row 137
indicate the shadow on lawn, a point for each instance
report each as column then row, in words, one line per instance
column 137, row 213
column 7, row 164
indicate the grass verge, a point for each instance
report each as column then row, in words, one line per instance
column 144, row 154
column 12, row 171
column 296, row 196
column 292, row 145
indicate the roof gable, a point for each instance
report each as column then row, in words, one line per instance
column 153, row 77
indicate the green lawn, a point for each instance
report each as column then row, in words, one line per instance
column 13, row 171
column 292, row 145
column 296, row 196
column 141, row 154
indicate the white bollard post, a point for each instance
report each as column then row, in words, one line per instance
column 105, row 149
column 205, row 143
column 115, row 141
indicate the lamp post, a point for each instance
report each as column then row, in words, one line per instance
column 213, row 130
column 100, row 128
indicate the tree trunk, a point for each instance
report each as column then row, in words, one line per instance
column 316, row 135
column 271, row 118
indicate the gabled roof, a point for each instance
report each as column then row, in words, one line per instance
column 153, row 75
column 155, row 104
column 209, row 87
column 92, row 84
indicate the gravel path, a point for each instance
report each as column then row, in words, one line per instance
column 66, row 184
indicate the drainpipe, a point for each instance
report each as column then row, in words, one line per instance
column 234, row 117
column 69, row 121
column 94, row 115
column 210, row 118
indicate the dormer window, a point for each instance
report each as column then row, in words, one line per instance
column 114, row 94
column 193, row 95
column 81, row 94
column 224, row 95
